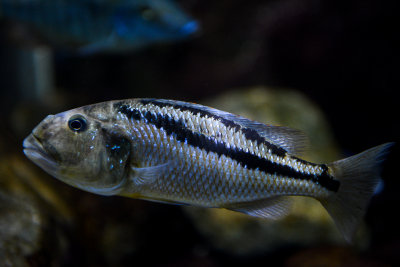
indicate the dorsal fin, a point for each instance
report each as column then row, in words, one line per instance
column 293, row 141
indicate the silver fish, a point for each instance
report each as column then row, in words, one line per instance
column 184, row 153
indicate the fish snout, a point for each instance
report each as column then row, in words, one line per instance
column 39, row 130
column 33, row 148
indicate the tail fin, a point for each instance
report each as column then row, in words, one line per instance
column 358, row 175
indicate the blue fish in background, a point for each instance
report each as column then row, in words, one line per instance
column 94, row 26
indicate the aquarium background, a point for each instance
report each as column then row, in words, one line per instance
column 339, row 55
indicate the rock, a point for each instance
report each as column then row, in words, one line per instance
column 32, row 216
column 20, row 228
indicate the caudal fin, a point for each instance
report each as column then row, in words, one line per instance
column 359, row 175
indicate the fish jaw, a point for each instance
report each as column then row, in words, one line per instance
column 34, row 150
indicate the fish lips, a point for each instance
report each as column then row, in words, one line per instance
column 34, row 150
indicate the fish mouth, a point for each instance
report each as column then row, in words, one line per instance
column 34, row 150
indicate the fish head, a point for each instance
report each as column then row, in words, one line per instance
column 148, row 21
column 80, row 149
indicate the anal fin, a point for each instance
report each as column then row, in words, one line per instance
column 271, row 208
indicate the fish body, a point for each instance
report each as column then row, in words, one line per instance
column 102, row 25
column 184, row 153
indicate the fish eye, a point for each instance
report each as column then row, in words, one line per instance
column 77, row 123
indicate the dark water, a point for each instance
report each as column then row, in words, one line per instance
column 340, row 55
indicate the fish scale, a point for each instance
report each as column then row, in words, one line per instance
column 206, row 126
column 220, row 184
column 184, row 153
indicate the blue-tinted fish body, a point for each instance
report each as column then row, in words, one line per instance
column 102, row 25
column 177, row 152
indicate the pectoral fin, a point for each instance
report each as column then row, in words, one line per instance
column 148, row 175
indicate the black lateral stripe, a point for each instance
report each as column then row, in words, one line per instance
column 248, row 160
column 125, row 109
column 195, row 111
column 250, row 134
column 328, row 182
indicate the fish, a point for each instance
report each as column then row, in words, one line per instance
column 93, row 26
column 188, row 154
